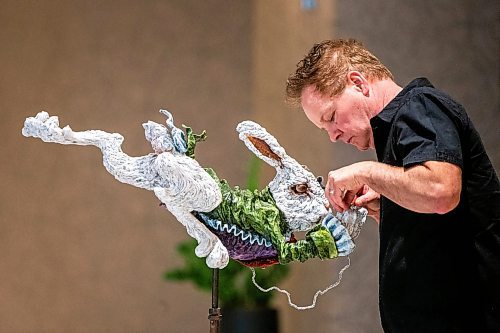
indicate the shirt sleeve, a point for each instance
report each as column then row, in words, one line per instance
column 424, row 132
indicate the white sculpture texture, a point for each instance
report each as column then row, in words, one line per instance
column 255, row 228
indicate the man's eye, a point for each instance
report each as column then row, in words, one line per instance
column 299, row 188
column 332, row 118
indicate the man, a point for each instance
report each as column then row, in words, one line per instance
column 434, row 190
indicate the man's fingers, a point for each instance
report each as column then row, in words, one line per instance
column 368, row 196
column 334, row 196
column 359, row 201
column 364, row 199
column 349, row 197
column 338, row 198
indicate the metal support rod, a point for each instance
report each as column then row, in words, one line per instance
column 214, row 313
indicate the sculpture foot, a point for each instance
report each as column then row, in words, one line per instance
column 219, row 257
column 345, row 244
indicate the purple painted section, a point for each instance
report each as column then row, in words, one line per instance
column 240, row 250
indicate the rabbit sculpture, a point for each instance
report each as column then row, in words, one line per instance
column 254, row 228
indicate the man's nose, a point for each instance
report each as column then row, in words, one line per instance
column 334, row 134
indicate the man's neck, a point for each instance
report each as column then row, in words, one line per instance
column 384, row 92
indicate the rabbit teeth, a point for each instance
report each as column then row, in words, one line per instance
column 241, row 244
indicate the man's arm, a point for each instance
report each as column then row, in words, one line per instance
column 431, row 187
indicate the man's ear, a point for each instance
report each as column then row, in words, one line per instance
column 359, row 82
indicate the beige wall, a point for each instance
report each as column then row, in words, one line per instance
column 80, row 252
column 453, row 43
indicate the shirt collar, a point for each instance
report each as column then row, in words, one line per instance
column 381, row 123
column 389, row 111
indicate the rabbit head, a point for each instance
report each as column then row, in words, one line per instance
column 163, row 139
column 158, row 136
column 297, row 192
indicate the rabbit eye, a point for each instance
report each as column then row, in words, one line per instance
column 299, row 188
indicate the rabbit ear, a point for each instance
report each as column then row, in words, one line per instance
column 261, row 143
column 264, row 148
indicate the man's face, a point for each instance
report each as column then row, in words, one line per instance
column 344, row 117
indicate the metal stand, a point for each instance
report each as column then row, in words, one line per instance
column 214, row 313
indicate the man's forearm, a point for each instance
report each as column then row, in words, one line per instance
column 432, row 187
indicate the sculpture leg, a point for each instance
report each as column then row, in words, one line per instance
column 208, row 244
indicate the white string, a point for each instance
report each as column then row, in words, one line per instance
column 319, row 292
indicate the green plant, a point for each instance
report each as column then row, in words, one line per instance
column 236, row 287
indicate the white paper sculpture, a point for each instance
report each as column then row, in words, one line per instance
column 255, row 228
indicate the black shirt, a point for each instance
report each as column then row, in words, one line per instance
column 438, row 273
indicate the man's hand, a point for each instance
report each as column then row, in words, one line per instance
column 370, row 200
column 343, row 186
column 344, row 189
